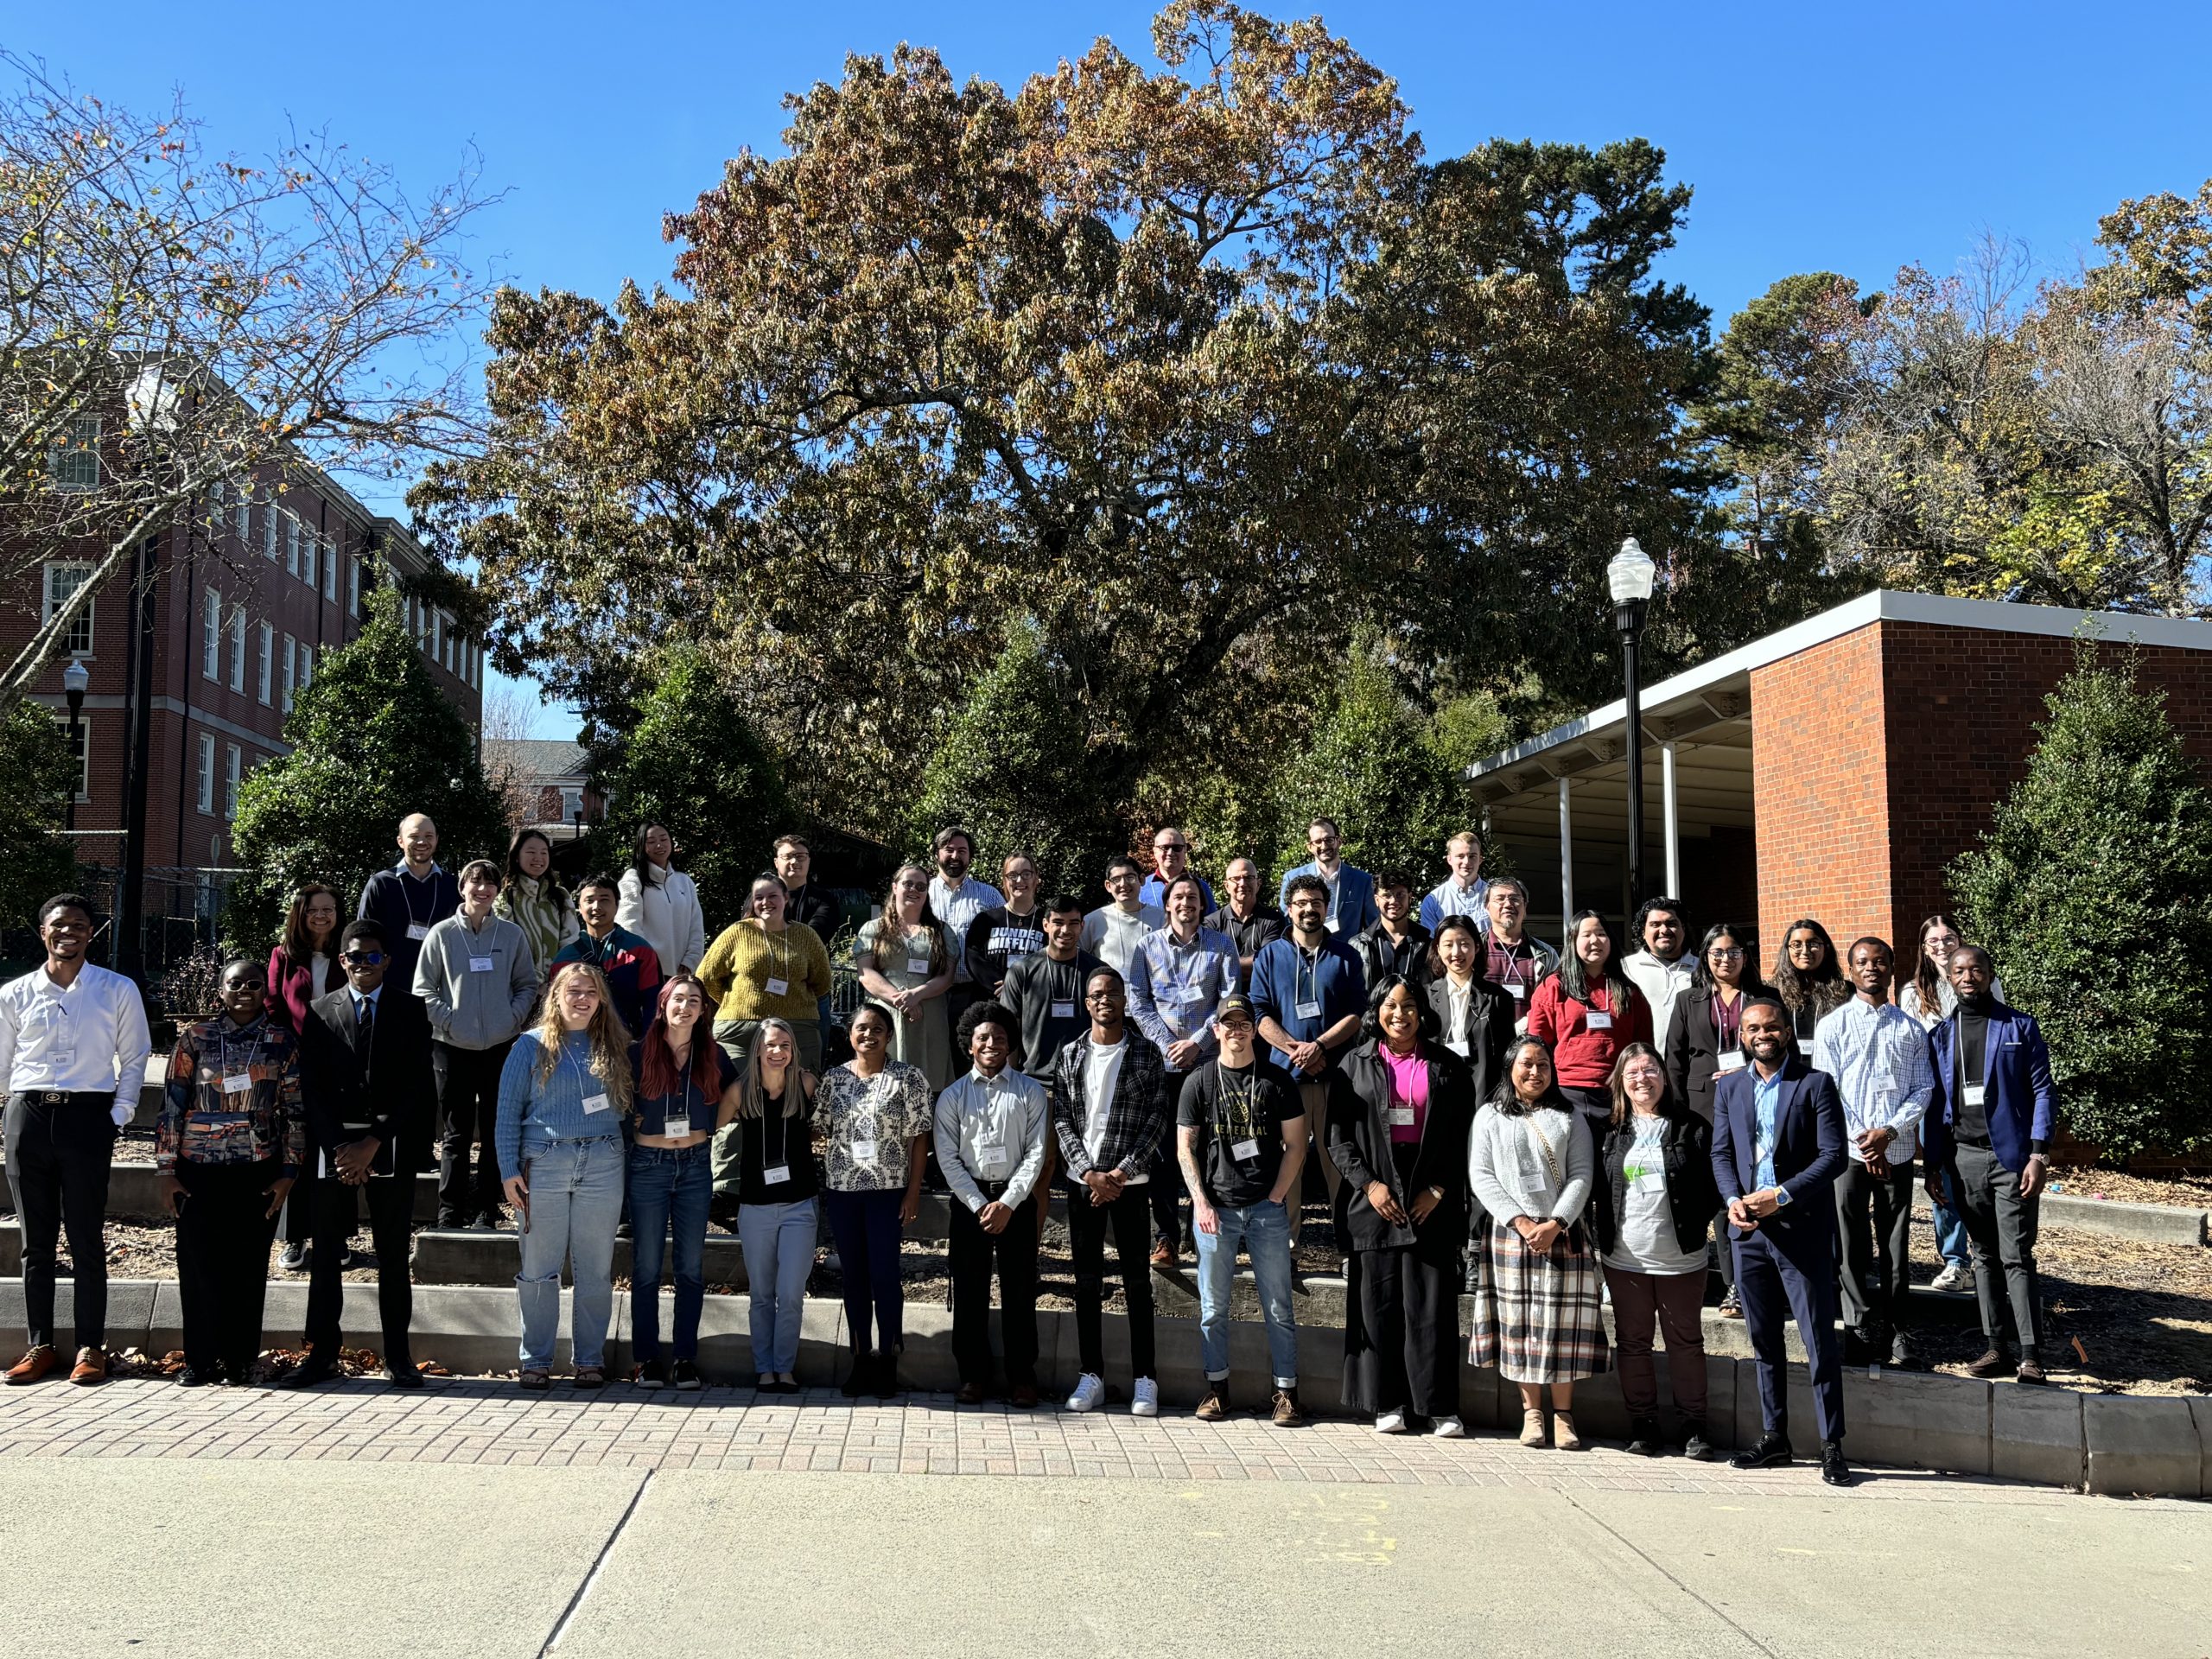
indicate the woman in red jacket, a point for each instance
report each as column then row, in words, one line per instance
column 1586, row 1013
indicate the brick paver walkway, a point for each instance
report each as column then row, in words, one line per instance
column 470, row 1421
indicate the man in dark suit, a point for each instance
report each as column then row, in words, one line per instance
column 1990, row 1120
column 366, row 1080
column 1778, row 1149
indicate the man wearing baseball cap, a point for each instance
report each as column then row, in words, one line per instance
column 1241, row 1137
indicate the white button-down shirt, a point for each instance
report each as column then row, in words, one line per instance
column 991, row 1129
column 88, row 1037
column 1878, row 1055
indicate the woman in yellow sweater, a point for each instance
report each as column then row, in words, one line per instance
column 766, row 967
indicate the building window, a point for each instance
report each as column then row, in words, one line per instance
column 207, row 772
column 245, row 516
column 572, row 805
column 430, row 634
column 62, row 581
column 352, row 588
column 75, row 461
column 292, row 544
column 210, row 634
column 269, row 518
column 265, row 665
column 291, row 671
column 306, row 665
column 231, row 764
column 330, row 568
column 238, row 647
column 80, row 740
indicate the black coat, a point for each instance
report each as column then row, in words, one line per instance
column 1694, row 1048
column 1490, row 1024
column 399, row 1100
column 1359, row 1145
column 1692, row 1197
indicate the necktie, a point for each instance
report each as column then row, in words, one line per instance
column 368, row 1035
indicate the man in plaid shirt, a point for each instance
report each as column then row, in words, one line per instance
column 1110, row 1108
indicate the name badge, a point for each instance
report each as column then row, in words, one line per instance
column 864, row 1155
column 237, row 1083
column 776, row 1174
column 1306, row 1011
column 419, row 930
column 777, row 987
column 1520, row 991
column 594, row 1102
column 1598, row 1021
column 1245, row 1151
column 1063, row 1010
column 1459, row 1045
column 918, row 964
column 990, row 1158
column 1973, row 1092
column 1733, row 1060
column 1805, row 1046
column 675, row 1125
column 479, row 964
column 61, row 1058
column 1650, row 1180
column 1401, row 1117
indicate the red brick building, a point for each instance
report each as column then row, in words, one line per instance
column 244, row 604
column 1833, row 769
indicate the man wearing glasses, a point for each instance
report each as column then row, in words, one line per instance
column 1351, row 891
column 1171, row 857
column 366, row 1081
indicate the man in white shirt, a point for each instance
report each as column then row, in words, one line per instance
column 1878, row 1056
column 72, row 1060
column 1660, row 968
column 956, row 901
column 1112, row 931
column 1463, row 892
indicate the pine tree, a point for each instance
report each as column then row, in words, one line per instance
column 374, row 740
column 2092, row 890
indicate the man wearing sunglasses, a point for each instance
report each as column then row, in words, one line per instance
column 366, row 1082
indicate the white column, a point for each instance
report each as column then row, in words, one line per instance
column 1566, row 857
column 1673, row 825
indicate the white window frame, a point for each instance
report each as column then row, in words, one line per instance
column 237, row 648
column 233, row 764
column 330, row 568
column 306, row 665
column 56, row 573
column 74, row 463
column 291, row 670
column 265, row 670
column 354, row 587
column 269, row 523
column 245, row 516
column 210, row 634
column 292, row 543
column 207, row 773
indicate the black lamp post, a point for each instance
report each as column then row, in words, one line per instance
column 74, row 679
column 1631, row 576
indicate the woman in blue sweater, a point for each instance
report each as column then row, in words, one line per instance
column 563, row 1095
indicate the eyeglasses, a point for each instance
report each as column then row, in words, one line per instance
column 1726, row 953
column 362, row 958
column 1170, row 846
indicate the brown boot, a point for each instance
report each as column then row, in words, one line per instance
column 40, row 1361
column 1287, row 1414
column 1213, row 1404
column 91, row 1366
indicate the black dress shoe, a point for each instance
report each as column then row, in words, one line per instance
column 308, row 1372
column 887, row 1376
column 1834, row 1469
column 860, row 1379
column 1695, row 1446
column 402, row 1374
column 1644, row 1437
column 1772, row 1452
column 197, row 1377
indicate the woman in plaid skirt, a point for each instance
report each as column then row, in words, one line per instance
column 1537, row 1295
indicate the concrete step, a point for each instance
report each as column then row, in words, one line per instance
column 2146, row 1223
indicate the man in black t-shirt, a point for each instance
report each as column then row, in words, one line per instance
column 1241, row 1136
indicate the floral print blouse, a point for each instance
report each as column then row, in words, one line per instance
column 867, row 1124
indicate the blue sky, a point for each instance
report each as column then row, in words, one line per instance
column 1844, row 138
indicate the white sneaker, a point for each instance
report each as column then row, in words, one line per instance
column 1451, row 1428
column 1089, row 1393
column 1956, row 1276
column 1146, row 1402
column 1390, row 1422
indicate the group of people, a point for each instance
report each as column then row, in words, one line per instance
column 1552, row 1131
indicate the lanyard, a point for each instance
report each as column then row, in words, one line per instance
column 1727, row 1019
column 223, row 1039
column 779, row 968
column 407, row 895
column 1310, row 967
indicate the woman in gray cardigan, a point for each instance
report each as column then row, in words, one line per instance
column 477, row 981
column 1538, row 1298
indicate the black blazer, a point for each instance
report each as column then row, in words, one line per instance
column 1694, row 1048
column 1359, row 1143
column 1489, row 1028
column 1692, row 1197
column 399, row 1102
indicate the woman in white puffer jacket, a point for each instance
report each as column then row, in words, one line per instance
column 660, row 905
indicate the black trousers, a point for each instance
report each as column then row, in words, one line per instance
column 468, row 1106
column 2001, row 1233
column 392, row 1212
column 1401, row 1334
column 1780, row 1275
column 1169, row 1224
column 1874, row 1215
column 58, row 1159
column 223, row 1235
column 972, row 1252
column 1128, row 1217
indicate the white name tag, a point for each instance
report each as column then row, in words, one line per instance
column 864, row 1155
column 675, row 1125
column 1063, row 1010
column 1973, row 1092
column 417, row 930
column 1459, row 1045
column 1335, row 926
column 1520, row 991
column 237, row 1083
column 1805, row 1046
column 776, row 1174
column 990, row 1160
column 1733, row 1060
column 777, row 987
column 479, row 964
column 1650, row 1180
column 918, row 964
column 1401, row 1117
column 594, row 1102
column 1245, row 1151
column 1306, row 1011
column 1598, row 1021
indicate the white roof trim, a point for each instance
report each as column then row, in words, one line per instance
column 1884, row 604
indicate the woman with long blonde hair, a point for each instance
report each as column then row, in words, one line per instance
column 563, row 1095
column 904, row 959
column 770, row 1148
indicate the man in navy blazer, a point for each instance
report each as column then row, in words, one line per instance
column 1351, row 890
column 1990, row 1121
column 1778, row 1147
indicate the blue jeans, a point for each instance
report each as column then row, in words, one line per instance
column 778, row 1241
column 575, row 1198
column 1950, row 1228
column 1263, row 1229
column 668, row 1184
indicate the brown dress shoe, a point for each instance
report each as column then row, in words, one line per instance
column 1989, row 1364
column 34, row 1365
column 1213, row 1405
column 1287, row 1414
column 91, row 1366
column 1024, row 1397
column 970, row 1393
column 1163, row 1255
